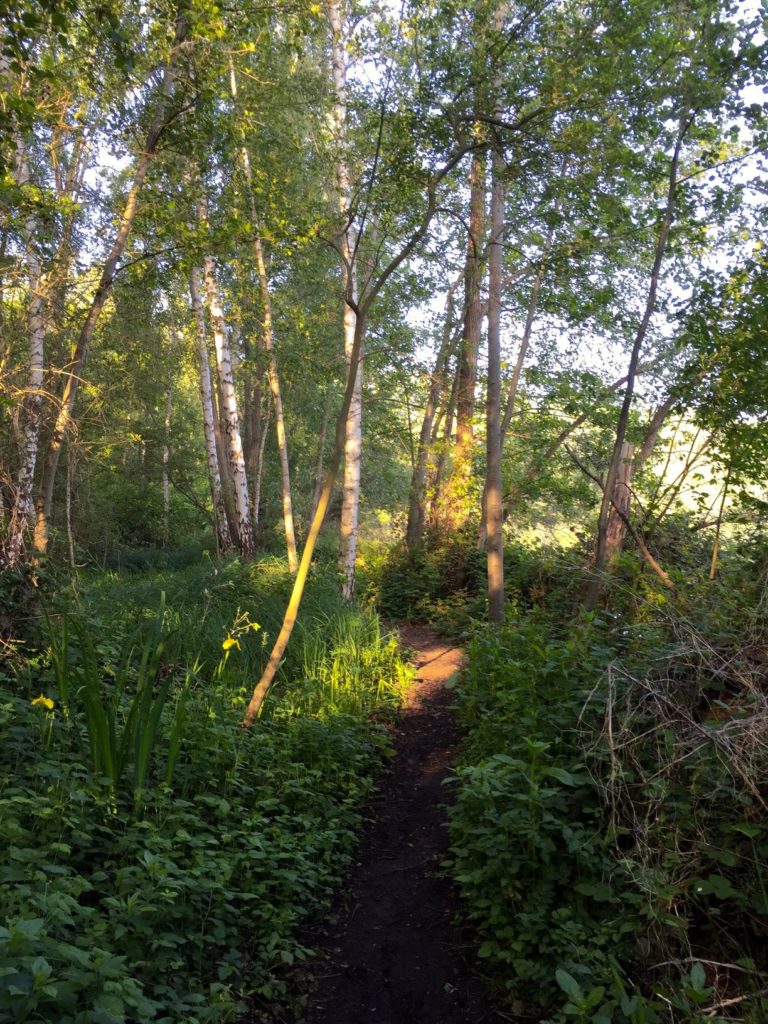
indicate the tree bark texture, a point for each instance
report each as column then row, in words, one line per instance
column 229, row 414
column 348, row 242
column 220, row 522
column 493, row 492
column 621, row 501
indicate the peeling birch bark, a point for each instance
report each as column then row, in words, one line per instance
column 353, row 354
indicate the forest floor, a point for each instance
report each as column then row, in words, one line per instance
column 392, row 953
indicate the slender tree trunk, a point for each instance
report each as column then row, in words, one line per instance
column 509, row 409
column 473, row 309
column 258, row 475
column 277, row 401
column 220, row 522
column 272, row 370
column 76, row 367
column 353, row 450
column 416, row 503
column 718, row 527
column 650, row 306
column 350, row 507
column 222, row 455
column 494, row 518
column 438, row 484
column 620, row 506
column 232, row 440
column 289, row 619
column 22, row 506
column 321, row 454
column 166, row 461
column 68, row 506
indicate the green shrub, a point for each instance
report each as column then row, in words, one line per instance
column 607, row 825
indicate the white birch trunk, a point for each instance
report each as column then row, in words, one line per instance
column 220, row 523
column 229, row 414
column 350, row 507
column 277, row 401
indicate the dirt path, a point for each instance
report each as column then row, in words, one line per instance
column 393, row 955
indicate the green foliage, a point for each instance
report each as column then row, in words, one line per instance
column 607, row 824
column 444, row 584
column 157, row 861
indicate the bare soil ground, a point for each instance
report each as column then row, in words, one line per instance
column 392, row 954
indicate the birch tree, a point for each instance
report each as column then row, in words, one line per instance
column 347, row 244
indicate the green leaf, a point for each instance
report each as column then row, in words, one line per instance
column 569, row 985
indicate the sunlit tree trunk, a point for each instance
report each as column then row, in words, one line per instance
column 455, row 498
column 321, row 455
column 277, row 402
column 509, row 409
column 68, row 504
column 493, row 491
column 621, row 501
column 438, row 483
column 416, row 502
column 76, row 367
column 220, row 523
column 259, row 473
column 350, row 506
column 229, row 414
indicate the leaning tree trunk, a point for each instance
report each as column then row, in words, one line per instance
column 650, row 306
column 220, row 523
column 320, row 455
column 233, row 442
column 76, row 367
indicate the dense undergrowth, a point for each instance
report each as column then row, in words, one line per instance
column 610, row 827
column 156, row 859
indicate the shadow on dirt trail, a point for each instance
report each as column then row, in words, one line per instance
column 393, row 955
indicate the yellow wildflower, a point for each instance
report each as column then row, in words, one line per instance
column 44, row 702
column 231, row 641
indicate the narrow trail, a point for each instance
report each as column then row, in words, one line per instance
column 393, row 955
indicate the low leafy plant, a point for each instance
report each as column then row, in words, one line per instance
column 156, row 861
